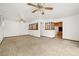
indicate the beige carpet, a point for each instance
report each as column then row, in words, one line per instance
column 29, row 45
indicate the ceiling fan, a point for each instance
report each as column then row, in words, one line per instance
column 22, row 20
column 40, row 6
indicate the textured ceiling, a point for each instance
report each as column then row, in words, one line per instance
column 24, row 11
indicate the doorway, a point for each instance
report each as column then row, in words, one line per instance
column 58, row 29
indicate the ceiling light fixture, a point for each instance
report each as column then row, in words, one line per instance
column 40, row 6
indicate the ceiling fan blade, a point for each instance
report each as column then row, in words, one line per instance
column 34, row 11
column 49, row 8
column 32, row 5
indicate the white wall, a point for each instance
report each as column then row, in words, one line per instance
column 42, row 31
column 1, row 29
column 1, row 34
column 35, row 32
column 71, row 27
column 47, row 33
column 15, row 28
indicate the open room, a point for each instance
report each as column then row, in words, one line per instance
column 39, row 29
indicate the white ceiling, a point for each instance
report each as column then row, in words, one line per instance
column 23, row 10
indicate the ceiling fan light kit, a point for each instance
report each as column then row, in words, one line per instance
column 40, row 7
column 22, row 20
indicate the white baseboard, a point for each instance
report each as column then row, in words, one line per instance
column 71, row 39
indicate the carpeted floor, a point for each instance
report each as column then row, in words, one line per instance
column 33, row 46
